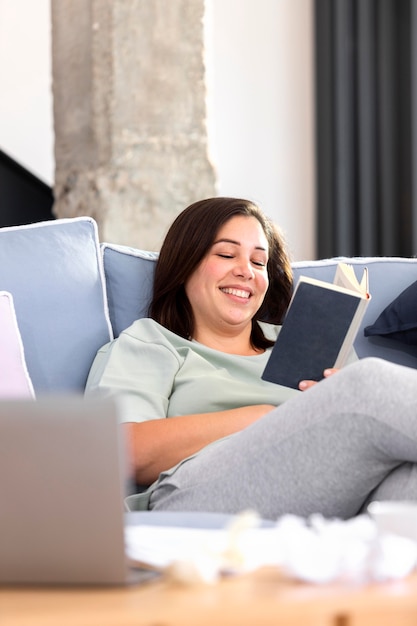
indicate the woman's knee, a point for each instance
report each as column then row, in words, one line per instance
column 372, row 369
column 357, row 385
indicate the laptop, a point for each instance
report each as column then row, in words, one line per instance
column 62, row 485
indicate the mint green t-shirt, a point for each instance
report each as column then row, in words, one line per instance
column 156, row 374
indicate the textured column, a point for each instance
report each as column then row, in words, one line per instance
column 129, row 114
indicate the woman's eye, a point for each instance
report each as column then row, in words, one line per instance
column 225, row 256
column 259, row 263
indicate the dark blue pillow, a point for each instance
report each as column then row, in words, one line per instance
column 399, row 319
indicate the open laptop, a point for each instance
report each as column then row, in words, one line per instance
column 62, row 483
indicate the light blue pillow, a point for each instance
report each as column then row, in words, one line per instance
column 55, row 274
column 129, row 278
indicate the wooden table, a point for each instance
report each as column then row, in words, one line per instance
column 259, row 599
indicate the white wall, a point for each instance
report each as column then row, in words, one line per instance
column 26, row 127
column 260, row 102
column 261, row 115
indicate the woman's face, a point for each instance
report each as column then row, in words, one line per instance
column 229, row 285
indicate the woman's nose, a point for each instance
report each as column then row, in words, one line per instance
column 244, row 268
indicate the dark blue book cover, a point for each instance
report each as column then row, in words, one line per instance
column 318, row 332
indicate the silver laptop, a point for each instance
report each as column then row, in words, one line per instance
column 62, row 483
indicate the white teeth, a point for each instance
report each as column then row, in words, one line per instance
column 237, row 292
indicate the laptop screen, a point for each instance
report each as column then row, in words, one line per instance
column 62, row 477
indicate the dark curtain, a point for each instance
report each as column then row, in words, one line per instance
column 366, row 119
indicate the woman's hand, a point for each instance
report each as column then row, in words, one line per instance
column 306, row 384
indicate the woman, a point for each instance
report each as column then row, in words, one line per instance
column 236, row 441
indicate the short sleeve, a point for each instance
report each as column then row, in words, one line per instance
column 139, row 372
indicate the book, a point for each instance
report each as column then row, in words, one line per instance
column 319, row 327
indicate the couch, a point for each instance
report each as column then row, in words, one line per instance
column 69, row 294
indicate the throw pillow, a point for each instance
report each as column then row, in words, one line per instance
column 129, row 281
column 399, row 319
column 15, row 381
column 54, row 271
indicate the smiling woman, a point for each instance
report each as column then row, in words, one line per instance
column 234, row 441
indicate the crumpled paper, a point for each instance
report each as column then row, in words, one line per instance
column 322, row 551
column 314, row 550
column 234, row 556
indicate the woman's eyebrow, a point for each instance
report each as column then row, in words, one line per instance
column 236, row 243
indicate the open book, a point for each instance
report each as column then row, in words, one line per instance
column 319, row 328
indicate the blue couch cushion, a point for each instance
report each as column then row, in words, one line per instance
column 129, row 278
column 399, row 319
column 55, row 274
column 388, row 277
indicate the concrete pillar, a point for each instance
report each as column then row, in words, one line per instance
column 129, row 114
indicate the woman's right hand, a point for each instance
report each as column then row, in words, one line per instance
column 306, row 384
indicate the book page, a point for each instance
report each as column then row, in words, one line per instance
column 345, row 277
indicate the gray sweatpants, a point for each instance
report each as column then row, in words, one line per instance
column 350, row 439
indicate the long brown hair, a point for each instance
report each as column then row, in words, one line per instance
column 189, row 239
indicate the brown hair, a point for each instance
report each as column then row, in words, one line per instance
column 189, row 239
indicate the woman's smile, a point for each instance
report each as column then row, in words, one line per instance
column 239, row 293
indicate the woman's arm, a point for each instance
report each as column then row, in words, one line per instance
column 140, row 368
column 156, row 445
